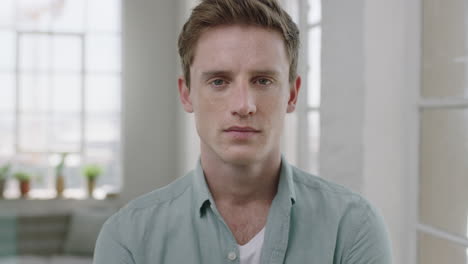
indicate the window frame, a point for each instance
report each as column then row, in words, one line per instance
column 48, row 191
column 418, row 105
column 303, row 107
column 435, row 103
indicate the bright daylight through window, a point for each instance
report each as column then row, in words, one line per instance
column 302, row 136
column 60, row 87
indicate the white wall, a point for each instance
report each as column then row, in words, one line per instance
column 343, row 92
column 393, row 50
column 385, row 130
column 369, row 79
column 150, row 103
column 189, row 149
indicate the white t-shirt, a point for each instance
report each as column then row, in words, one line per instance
column 250, row 252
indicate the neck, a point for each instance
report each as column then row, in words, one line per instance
column 240, row 185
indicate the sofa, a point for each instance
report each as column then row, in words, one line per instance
column 66, row 238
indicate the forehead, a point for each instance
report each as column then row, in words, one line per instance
column 239, row 47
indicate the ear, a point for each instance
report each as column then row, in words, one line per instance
column 184, row 95
column 294, row 94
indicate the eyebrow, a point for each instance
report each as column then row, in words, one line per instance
column 209, row 74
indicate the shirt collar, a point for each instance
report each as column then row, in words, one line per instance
column 202, row 195
column 285, row 195
column 286, row 188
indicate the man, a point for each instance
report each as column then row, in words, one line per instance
column 243, row 203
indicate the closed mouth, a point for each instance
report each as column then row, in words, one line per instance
column 242, row 129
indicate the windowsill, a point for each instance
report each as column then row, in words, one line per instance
column 69, row 194
column 31, row 206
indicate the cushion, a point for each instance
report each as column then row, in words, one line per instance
column 8, row 244
column 70, row 260
column 41, row 235
column 84, row 228
column 24, row 260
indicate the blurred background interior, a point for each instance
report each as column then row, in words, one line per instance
column 90, row 118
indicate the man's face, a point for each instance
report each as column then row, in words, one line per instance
column 240, row 93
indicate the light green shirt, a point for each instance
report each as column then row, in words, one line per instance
column 310, row 221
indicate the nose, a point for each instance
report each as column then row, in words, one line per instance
column 243, row 101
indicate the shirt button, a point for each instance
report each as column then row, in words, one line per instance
column 232, row 256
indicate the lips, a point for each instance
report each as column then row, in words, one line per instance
column 242, row 129
column 240, row 133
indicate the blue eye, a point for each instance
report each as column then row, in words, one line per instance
column 217, row 82
column 263, row 81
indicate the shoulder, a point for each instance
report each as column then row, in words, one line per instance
column 320, row 189
column 361, row 233
column 335, row 203
column 144, row 217
column 148, row 206
column 163, row 195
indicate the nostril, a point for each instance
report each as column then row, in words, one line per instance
column 243, row 102
column 246, row 111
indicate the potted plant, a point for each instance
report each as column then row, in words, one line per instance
column 91, row 172
column 59, row 177
column 24, row 181
column 3, row 175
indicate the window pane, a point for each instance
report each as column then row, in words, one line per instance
column 35, row 52
column 444, row 53
column 51, row 15
column 6, row 135
column 7, row 50
column 65, row 131
column 102, row 93
column 74, row 178
column 292, row 7
column 34, row 92
column 66, row 53
column 289, row 140
column 6, row 13
column 41, row 92
column 314, row 60
column 72, row 170
column 46, row 52
column 33, row 132
column 433, row 250
column 314, row 141
column 110, row 181
column 7, row 93
column 36, row 14
column 103, row 53
column 104, row 15
column 315, row 11
column 102, row 129
column 100, row 153
column 444, row 170
column 29, row 162
column 107, row 156
column 66, row 93
column 69, row 16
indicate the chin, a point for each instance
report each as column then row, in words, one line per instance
column 241, row 157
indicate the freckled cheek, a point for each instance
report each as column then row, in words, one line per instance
column 270, row 104
column 273, row 109
column 213, row 103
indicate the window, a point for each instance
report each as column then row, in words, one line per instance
column 60, row 87
column 443, row 149
column 302, row 134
